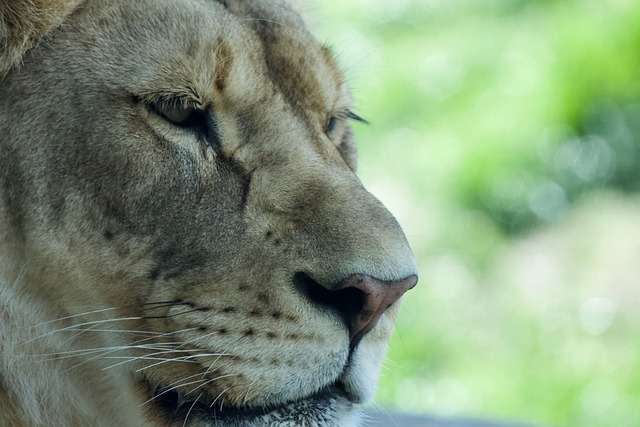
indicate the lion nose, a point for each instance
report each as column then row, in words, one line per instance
column 360, row 299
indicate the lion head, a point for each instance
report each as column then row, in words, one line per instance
column 184, row 238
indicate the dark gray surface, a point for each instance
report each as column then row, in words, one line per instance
column 391, row 419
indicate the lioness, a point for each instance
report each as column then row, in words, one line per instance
column 183, row 240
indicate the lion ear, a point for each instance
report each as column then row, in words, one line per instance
column 23, row 23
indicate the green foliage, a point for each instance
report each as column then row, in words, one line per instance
column 522, row 105
column 492, row 120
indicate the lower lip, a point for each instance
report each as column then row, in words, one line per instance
column 326, row 397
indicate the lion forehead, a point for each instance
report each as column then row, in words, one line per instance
column 247, row 51
column 288, row 57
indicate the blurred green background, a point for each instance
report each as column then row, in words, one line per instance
column 505, row 138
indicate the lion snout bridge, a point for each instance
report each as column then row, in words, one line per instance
column 360, row 299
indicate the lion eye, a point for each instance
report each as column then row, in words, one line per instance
column 331, row 123
column 192, row 119
column 181, row 116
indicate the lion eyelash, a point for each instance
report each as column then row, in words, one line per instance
column 350, row 115
column 176, row 102
column 353, row 116
column 186, row 98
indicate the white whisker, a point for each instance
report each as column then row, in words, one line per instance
column 182, row 359
column 84, row 352
column 189, row 411
column 76, row 315
column 127, row 331
column 162, row 360
column 213, row 380
column 219, row 396
column 213, row 363
column 182, row 379
column 72, row 327
column 168, row 390
column 186, row 357
column 246, row 394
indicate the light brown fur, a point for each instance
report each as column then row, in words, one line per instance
column 177, row 195
column 23, row 23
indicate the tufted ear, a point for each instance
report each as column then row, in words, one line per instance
column 23, row 23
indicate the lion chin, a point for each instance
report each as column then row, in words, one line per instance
column 328, row 407
column 183, row 238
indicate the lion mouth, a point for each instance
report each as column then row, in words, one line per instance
column 176, row 407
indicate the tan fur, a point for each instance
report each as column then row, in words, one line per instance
column 178, row 211
column 25, row 22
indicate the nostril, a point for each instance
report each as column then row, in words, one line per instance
column 347, row 301
column 360, row 299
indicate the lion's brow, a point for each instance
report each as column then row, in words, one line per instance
column 176, row 96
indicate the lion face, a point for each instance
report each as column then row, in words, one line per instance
column 179, row 178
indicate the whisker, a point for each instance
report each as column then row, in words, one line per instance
column 182, row 379
column 71, row 327
column 81, row 331
column 183, row 359
column 138, row 344
column 172, row 302
column 133, row 358
column 219, row 396
column 164, row 304
column 123, row 331
column 246, row 395
column 172, row 315
column 82, row 352
column 157, row 304
column 168, row 390
column 120, row 348
column 213, row 363
column 201, row 337
column 213, row 380
column 189, row 411
column 191, row 356
column 75, row 315
column 21, row 274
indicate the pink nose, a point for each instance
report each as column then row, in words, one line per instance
column 370, row 299
column 360, row 299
